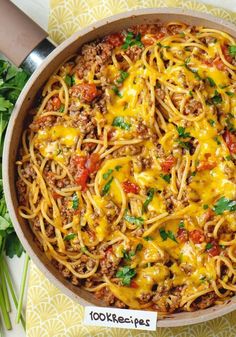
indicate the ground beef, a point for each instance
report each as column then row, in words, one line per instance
column 109, row 264
column 83, row 120
column 204, row 301
column 21, row 191
column 106, row 295
column 134, row 53
column 42, row 123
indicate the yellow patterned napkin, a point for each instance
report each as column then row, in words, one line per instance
column 49, row 312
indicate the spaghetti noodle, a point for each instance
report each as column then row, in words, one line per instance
column 126, row 174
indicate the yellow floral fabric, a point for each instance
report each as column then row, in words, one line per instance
column 49, row 312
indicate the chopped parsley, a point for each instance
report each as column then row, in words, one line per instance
column 68, row 80
column 126, row 274
column 116, row 91
column 182, row 133
column 134, row 220
column 184, row 145
column 162, row 46
column 128, row 255
column 123, row 76
column 216, row 139
column 120, row 122
column 166, row 177
column 229, row 123
column 106, row 187
column 165, row 235
column 211, row 122
column 193, row 174
column 190, row 93
column 148, row 238
column 150, row 195
column 232, row 50
column 62, row 108
column 132, row 40
column 216, row 99
column 205, row 206
column 181, row 224
column 211, row 82
column 118, row 167
column 224, row 204
column 229, row 157
column 69, row 237
column 229, row 93
column 194, row 71
column 139, row 247
column 75, row 201
column 107, row 174
column 209, row 246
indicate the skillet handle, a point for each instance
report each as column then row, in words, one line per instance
column 19, row 35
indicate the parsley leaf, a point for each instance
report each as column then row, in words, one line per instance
column 131, row 40
column 216, row 99
column 106, row 187
column 116, row 91
column 211, row 82
column 165, row 235
column 123, row 76
column 139, row 247
column 166, row 177
column 107, row 174
column 184, row 145
column 229, row 93
column 120, row 122
column 211, row 122
column 181, row 224
column 75, row 201
column 5, row 104
column 126, row 274
column 209, row 246
column 150, row 195
column 224, row 204
column 68, row 80
column 69, row 237
column 134, row 220
column 148, row 238
column 118, row 167
column 128, row 255
column 182, row 133
column 232, row 50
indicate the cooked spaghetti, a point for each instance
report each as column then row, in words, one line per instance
column 126, row 174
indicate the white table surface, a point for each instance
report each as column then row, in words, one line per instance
column 38, row 10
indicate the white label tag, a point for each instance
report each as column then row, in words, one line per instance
column 120, row 318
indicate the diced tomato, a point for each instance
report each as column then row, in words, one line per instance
column 82, row 177
column 55, row 195
column 93, row 162
column 116, row 39
column 182, row 234
column 56, row 102
column 214, row 250
column 206, row 165
column 129, row 187
column 151, row 39
column 168, row 164
column 197, row 236
column 85, row 166
column 133, row 284
column 87, row 91
column 218, row 64
column 225, row 51
column 230, row 140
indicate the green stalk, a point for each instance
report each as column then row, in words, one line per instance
column 5, row 291
column 22, row 287
column 11, row 288
column 5, row 314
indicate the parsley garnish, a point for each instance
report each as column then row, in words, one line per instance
column 224, row 204
column 134, row 220
column 205, row 206
column 182, row 133
column 68, row 80
column 229, row 157
column 120, row 122
column 75, row 201
column 162, row 46
column 69, row 237
column 123, row 76
column 211, row 82
column 116, row 91
column 211, row 122
column 216, row 139
column 166, row 177
column 209, row 246
column 62, row 108
column 181, row 224
column 107, row 174
column 128, row 255
column 150, row 195
column 184, row 145
column 232, row 50
column 126, row 274
column 216, row 99
column 118, row 167
column 165, row 235
column 194, row 71
column 131, row 40
column 139, row 247
column 106, row 187
column 148, row 238
column 229, row 93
